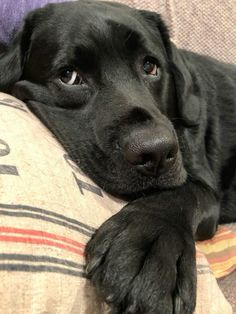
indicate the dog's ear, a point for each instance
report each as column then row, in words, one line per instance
column 187, row 92
column 187, row 95
column 13, row 57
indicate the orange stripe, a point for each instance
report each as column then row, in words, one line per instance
column 220, row 259
column 42, row 234
column 222, row 229
column 219, row 248
column 219, row 274
column 219, row 269
column 40, row 241
column 227, row 235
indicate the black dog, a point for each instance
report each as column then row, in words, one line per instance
column 147, row 122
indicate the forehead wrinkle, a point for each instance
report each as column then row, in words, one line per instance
column 93, row 34
column 129, row 36
column 101, row 26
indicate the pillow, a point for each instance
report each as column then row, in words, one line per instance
column 12, row 14
column 48, row 211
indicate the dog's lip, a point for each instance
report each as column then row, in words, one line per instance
column 123, row 181
column 148, row 169
column 174, row 176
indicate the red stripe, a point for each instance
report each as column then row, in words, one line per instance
column 225, row 236
column 42, row 234
column 40, row 241
column 220, row 259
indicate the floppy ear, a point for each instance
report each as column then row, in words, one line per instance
column 188, row 98
column 12, row 58
column 187, row 92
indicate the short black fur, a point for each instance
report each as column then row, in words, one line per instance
column 166, row 142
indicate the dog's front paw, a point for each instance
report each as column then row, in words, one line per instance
column 142, row 265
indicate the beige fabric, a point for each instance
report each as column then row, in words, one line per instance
column 206, row 27
column 34, row 177
column 46, row 217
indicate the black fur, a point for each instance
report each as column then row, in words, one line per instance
column 142, row 260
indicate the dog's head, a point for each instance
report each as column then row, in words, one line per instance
column 107, row 81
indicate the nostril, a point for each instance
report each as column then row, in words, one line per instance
column 138, row 158
column 147, row 158
column 170, row 155
column 133, row 156
column 169, row 159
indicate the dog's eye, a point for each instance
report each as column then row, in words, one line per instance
column 70, row 77
column 151, row 68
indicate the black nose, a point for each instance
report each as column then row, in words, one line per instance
column 151, row 151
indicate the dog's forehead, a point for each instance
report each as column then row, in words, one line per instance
column 85, row 20
column 71, row 32
column 94, row 12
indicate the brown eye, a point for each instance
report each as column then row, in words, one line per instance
column 71, row 77
column 151, row 68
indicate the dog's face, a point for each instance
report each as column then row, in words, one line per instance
column 99, row 75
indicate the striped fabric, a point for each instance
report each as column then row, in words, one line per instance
column 221, row 251
column 46, row 242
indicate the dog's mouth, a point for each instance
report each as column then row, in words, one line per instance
column 118, row 177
